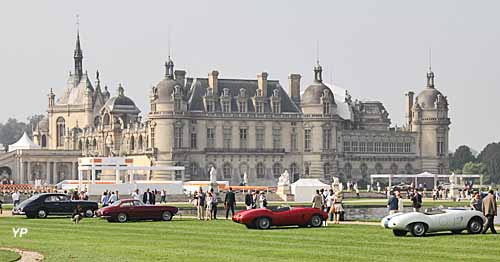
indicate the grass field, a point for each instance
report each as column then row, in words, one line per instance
column 191, row 240
column 8, row 256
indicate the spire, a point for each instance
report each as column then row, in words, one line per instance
column 78, row 54
column 430, row 74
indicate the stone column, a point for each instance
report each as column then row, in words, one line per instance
column 47, row 174
column 21, row 173
column 28, row 172
column 73, row 173
column 54, row 174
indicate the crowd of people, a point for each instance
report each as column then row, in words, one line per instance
column 329, row 202
column 206, row 203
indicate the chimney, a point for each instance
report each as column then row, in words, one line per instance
column 213, row 81
column 409, row 107
column 294, row 87
column 262, row 83
column 180, row 76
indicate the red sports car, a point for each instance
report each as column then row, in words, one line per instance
column 264, row 218
column 132, row 209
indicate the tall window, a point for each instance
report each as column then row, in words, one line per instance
column 193, row 169
column 399, row 147
column 226, row 170
column 276, row 106
column 60, row 130
column 407, row 148
column 226, row 106
column 307, row 140
column 276, row 138
column 369, row 147
column 347, row 146
column 440, row 147
column 293, row 140
column 378, row 147
column 210, row 106
column 243, row 137
column 210, row 137
column 44, row 141
column 152, row 137
column 227, row 137
column 355, row 147
column 277, row 170
column 242, row 105
column 177, row 137
column 193, row 138
column 260, row 170
column 362, row 147
column 259, row 107
column 259, row 137
column 139, row 142
column 326, row 108
column 385, row 147
column 132, row 143
column 178, row 105
column 327, row 138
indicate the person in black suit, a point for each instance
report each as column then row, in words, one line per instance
column 229, row 202
column 248, row 200
column 148, row 197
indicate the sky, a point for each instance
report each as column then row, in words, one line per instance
column 378, row 50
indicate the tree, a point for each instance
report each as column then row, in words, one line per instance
column 490, row 156
column 462, row 155
column 477, row 168
column 13, row 129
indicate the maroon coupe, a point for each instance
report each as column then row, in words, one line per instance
column 263, row 218
column 132, row 209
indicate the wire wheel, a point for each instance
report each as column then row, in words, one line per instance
column 418, row 229
column 316, row 221
column 166, row 216
column 122, row 217
column 264, row 223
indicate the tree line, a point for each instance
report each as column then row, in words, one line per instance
column 13, row 129
column 487, row 162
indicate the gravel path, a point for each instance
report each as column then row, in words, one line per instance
column 26, row 256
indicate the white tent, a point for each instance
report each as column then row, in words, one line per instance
column 304, row 189
column 23, row 143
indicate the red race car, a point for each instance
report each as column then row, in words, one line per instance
column 132, row 209
column 263, row 218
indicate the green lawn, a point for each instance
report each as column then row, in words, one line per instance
column 8, row 256
column 191, row 240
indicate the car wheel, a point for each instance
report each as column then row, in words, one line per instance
column 89, row 213
column 166, row 216
column 399, row 233
column 456, row 232
column 418, row 229
column 475, row 226
column 41, row 213
column 122, row 217
column 316, row 221
column 263, row 223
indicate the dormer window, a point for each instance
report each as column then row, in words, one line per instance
column 226, row 101
column 178, row 104
column 259, row 107
column 326, row 107
column 242, row 105
column 226, row 106
column 210, row 106
column 275, row 104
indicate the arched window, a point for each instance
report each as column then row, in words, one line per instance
column 132, row 143
column 106, row 120
column 326, row 169
column 60, row 130
column 364, row 169
column 394, row 168
column 80, row 145
column 293, row 169
column 226, row 170
column 193, row 169
column 139, row 143
column 277, row 170
column 409, row 168
column 94, row 144
column 379, row 168
column 87, row 144
column 260, row 170
column 44, row 141
column 441, row 168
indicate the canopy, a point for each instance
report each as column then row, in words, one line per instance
column 304, row 189
column 23, row 143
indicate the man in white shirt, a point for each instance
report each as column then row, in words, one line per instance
column 135, row 194
column 15, row 198
column 113, row 198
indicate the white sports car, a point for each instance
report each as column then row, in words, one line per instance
column 419, row 223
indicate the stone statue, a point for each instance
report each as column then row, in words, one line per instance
column 245, row 179
column 213, row 175
column 284, row 179
column 453, row 179
column 336, row 185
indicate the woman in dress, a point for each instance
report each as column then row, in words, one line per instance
column 329, row 204
column 338, row 209
column 210, row 202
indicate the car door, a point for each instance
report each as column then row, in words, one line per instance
column 65, row 206
column 127, row 208
column 442, row 221
column 143, row 211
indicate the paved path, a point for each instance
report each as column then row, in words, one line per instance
column 26, row 256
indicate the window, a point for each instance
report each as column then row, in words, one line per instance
column 347, row 146
column 259, row 137
column 177, row 137
column 326, row 108
column 326, row 169
column 139, row 143
column 193, row 169
column 385, row 147
column 379, row 168
column 132, row 143
column 260, row 170
column 362, row 147
column 276, row 106
column 259, row 107
column 355, row 147
column 242, row 106
column 178, row 105
column 227, row 137
column 226, row 170
column 392, row 147
column 210, row 137
column 378, row 147
column 369, row 147
column 407, row 148
column 60, row 131
column 399, row 147
column 440, row 147
column 394, row 168
column 294, row 170
column 276, row 138
column 226, row 106
column 152, row 137
column 106, row 120
column 276, row 170
column 306, row 168
column 243, row 137
column 327, row 138
column 193, row 138
column 44, row 141
column 210, row 106
column 307, row 140
column 293, row 140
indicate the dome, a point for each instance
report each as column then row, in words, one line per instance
column 121, row 103
column 43, row 124
column 314, row 92
column 166, row 88
column 428, row 97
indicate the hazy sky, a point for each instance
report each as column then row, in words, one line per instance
column 378, row 50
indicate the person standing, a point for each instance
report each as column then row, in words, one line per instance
column 163, row 195
column 489, row 207
column 248, row 200
column 200, row 204
column 117, row 195
column 329, row 203
column 255, row 199
column 338, row 209
column 378, row 187
column 147, row 197
column 104, row 199
column 262, row 199
column 400, row 202
column 214, row 203
column 416, row 200
column 229, row 202
column 15, row 198
column 112, row 198
column 135, row 194
column 317, row 201
column 209, row 206
column 476, row 202
column 392, row 204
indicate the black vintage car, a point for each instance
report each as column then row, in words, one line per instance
column 42, row 205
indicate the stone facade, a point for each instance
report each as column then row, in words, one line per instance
column 251, row 126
